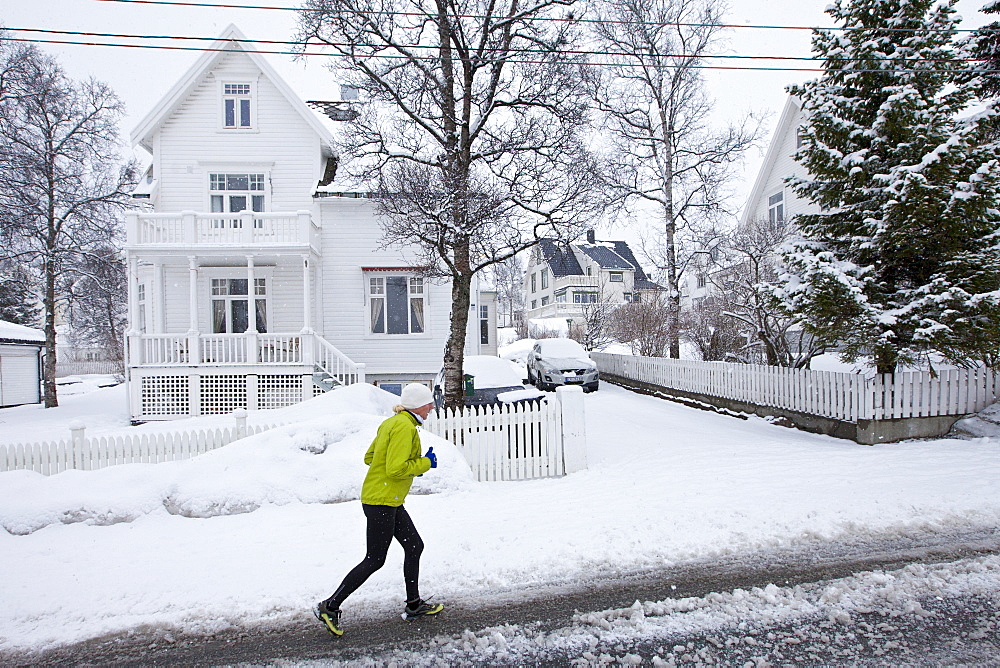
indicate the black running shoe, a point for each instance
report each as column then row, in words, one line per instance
column 421, row 609
column 329, row 618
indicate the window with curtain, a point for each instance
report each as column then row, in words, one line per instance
column 396, row 304
column 231, row 305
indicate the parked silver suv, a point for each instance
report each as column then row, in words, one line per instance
column 561, row 362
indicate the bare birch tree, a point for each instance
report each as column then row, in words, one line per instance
column 664, row 157
column 62, row 181
column 469, row 130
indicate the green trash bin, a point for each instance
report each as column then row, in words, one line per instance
column 470, row 385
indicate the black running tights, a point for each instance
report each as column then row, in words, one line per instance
column 384, row 524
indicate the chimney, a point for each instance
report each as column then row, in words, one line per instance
column 590, row 236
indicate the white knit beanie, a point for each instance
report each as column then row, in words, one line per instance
column 416, row 395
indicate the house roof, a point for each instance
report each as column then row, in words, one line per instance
column 641, row 279
column 560, row 258
column 228, row 41
column 14, row 333
column 605, row 256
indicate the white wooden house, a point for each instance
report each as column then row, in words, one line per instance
column 562, row 279
column 770, row 198
column 20, row 364
column 253, row 281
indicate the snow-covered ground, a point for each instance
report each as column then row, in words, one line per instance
column 257, row 532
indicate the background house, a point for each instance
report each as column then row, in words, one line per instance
column 562, row 280
column 20, row 364
column 255, row 280
column 770, row 199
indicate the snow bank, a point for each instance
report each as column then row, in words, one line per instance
column 318, row 459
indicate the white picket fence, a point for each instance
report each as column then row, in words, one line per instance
column 506, row 442
column 842, row 396
column 83, row 453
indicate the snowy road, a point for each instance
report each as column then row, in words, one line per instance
column 714, row 612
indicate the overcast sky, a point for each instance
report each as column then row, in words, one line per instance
column 142, row 76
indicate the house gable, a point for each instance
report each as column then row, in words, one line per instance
column 227, row 43
column 778, row 166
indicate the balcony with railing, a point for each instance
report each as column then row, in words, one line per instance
column 247, row 228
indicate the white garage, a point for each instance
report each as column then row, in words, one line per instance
column 20, row 364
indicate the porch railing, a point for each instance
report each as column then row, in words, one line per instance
column 244, row 228
column 298, row 349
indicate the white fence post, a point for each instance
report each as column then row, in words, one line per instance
column 240, row 415
column 78, row 431
column 574, row 432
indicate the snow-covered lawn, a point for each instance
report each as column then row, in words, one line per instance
column 258, row 531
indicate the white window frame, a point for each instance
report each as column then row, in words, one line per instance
column 545, row 279
column 140, row 303
column 376, row 285
column 237, row 97
column 221, row 197
column 584, row 297
column 210, row 274
column 616, row 276
column 776, row 207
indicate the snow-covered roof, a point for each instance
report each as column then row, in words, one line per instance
column 605, row 256
column 10, row 331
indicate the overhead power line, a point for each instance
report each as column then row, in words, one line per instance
column 306, row 52
column 222, row 5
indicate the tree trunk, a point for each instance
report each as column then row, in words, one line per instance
column 49, row 370
column 454, row 352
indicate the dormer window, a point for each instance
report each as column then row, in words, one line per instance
column 236, row 106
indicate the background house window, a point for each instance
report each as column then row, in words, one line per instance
column 534, row 303
column 617, row 277
column 545, row 278
column 545, row 301
column 533, row 285
column 484, row 324
column 236, row 105
column 231, row 305
column 584, row 297
column 702, row 280
column 561, row 296
column 232, row 193
column 776, row 208
column 396, row 304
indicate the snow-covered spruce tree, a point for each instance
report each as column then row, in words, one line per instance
column 902, row 261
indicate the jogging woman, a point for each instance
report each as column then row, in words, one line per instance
column 393, row 461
